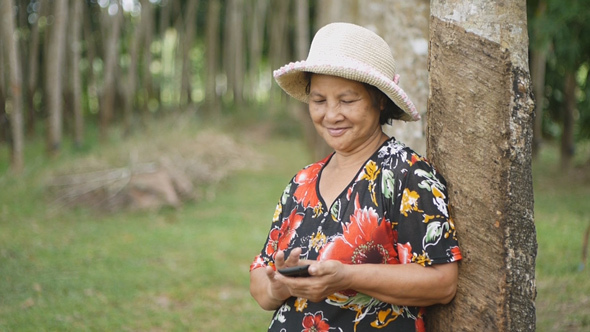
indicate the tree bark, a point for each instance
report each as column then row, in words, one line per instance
column 92, row 103
column 234, row 50
column 33, row 72
column 54, row 65
column 302, row 29
column 569, row 108
column 109, row 85
column 278, row 54
column 4, row 122
column 130, row 90
column 187, row 43
column 255, row 48
column 480, row 116
column 14, row 100
column 147, row 86
column 75, row 78
column 212, row 40
column 538, row 66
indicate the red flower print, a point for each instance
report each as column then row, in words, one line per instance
column 257, row 263
column 279, row 238
column 305, row 194
column 273, row 242
column 405, row 253
column 315, row 323
column 456, row 252
column 419, row 323
column 363, row 240
column 414, row 159
column 289, row 229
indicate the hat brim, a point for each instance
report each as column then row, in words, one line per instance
column 292, row 79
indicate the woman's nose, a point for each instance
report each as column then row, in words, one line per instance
column 333, row 112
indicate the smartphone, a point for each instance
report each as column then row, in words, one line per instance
column 295, row 271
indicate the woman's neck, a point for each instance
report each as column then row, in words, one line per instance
column 353, row 160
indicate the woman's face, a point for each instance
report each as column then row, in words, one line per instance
column 343, row 113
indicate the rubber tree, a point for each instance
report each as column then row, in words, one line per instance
column 480, row 130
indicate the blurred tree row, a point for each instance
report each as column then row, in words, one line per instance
column 560, row 69
column 69, row 63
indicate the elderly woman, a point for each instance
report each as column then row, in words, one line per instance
column 368, row 225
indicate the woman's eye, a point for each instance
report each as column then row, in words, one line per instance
column 318, row 101
column 348, row 101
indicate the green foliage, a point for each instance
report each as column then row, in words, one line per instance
column 562, row 29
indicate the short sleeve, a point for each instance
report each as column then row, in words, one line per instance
column 426, row 232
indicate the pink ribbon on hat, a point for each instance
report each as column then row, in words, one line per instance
column 396, row 79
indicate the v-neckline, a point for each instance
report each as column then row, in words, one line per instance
column 350, row 183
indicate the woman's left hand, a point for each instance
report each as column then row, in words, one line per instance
column 326, row 278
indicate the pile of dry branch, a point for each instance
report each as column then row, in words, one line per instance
column 156, row 174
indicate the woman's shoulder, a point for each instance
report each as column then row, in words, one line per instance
column 396, row 153
column 396, row 156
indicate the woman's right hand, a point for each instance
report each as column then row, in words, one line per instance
column 265, row 283
column 277, row 289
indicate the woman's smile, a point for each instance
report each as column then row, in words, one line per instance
column 336, row 132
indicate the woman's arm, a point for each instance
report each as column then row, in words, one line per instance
column 401, row 284
column 406, row 284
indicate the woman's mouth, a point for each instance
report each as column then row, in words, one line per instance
column 335, row 132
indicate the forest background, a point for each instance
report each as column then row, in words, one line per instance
column 110, row 108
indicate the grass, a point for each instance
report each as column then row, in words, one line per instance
column 172, row 270
column 187, row 269
column 562, row 215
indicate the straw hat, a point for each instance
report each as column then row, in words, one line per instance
column 352, row 52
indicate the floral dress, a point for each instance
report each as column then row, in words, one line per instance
column 395, row 211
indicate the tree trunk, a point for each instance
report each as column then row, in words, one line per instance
column 212, row 40
column 279, row 22
column 302, row 29
column 234, row 50
column 14, row 100
column 480, row 138
column 255, row 48
column 538, row 66
column 4, row 122
column 75, row 78
column 187, row 43
column 539, row 62
column 165, row 8
column 92, row 103
column 277, row 53
column 567, row 136
column 109, row 85
column 147, row 85
column 33, row 73
column 54, row 65
column 130, row 89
